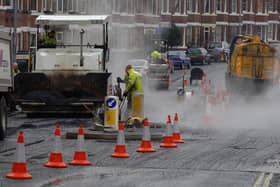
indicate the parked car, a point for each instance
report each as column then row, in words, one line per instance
column 219, row 50
column 199, row 56
column 180, row 59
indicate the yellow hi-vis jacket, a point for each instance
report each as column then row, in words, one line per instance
column 133, row 81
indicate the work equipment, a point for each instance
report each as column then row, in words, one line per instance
column 253, row 66
column 19, row 170
column 56, row 158
column 73, row 76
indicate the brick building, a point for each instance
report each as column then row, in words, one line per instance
column 136, row 21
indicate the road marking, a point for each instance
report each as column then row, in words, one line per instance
column 263, row 180
column 268, row 180
column 259, row 180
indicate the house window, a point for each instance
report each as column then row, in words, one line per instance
column 33, row 39
column 20, row 4
column 131, row 7
column 270, row 32
column 139, row 6
column 59, row 5
column 149, row 7
column 189, row 36
column 123, row 6
column 245, row 5
column 47, row 5
column 116, row 5
column 218, row 33
column 179, row 6
column 72, row 5
column 190, row 5
column 33, row 5
column 164, row 6
column 270, row 6
column 7, row 3
column 207, row 6
column 59, row 37
column 233, row 6
column 218, row 5
column 260, row 6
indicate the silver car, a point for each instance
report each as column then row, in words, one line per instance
column 219, row 50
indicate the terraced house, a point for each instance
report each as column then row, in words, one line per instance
column 135, row 22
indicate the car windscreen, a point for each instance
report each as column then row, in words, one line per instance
column 215, row 45
column 176, row 54
column 194, row 51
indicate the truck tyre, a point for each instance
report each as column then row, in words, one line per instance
column 3, row 118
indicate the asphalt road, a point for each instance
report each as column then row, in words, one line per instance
column 240, row 149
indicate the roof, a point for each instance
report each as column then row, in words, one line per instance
column 71, row 19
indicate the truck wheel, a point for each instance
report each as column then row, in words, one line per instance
column 3, row 118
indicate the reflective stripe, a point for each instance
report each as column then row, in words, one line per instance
column 121, row 140
column 146, row 133
column 57, row 145
column 168, row 130
column 20, row 153
column 81, row 143
column 176, row 128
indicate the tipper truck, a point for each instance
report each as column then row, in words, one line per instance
column 253, row 66
column 71, row 76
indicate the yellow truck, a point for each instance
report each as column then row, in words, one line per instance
column 253, row 66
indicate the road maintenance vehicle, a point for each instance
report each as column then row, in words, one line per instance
column 71, row 77
column 253, row 66
column 6, row 81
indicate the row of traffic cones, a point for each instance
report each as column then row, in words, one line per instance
column 171, row 137
column 19, row 169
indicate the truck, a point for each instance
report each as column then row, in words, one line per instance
column 158, row 73
column 253, row 66
column 72, row 76
column 6, row 81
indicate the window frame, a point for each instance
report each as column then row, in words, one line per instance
column 209, row 6
column 233, row 6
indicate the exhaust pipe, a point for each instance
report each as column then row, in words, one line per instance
column 81, row 47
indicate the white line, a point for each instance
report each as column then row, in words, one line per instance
column 267, row 180
column 259, row 181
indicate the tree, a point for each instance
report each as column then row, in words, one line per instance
column 172, row 35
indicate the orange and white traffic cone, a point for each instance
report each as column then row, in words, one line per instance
column 19, row 170
column 176, row 133
column 208, row 117
column 56, row 159
column 168, row 139
column 120, row 149
column 146, row 145
column 80, row 155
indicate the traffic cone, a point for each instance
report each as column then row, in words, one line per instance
column 120, row 149
column 176, row 133
column 80, row 155
column 168, row 139
column 19, row 170
column 146, row 145
column 55, row 159
column 208, row 113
